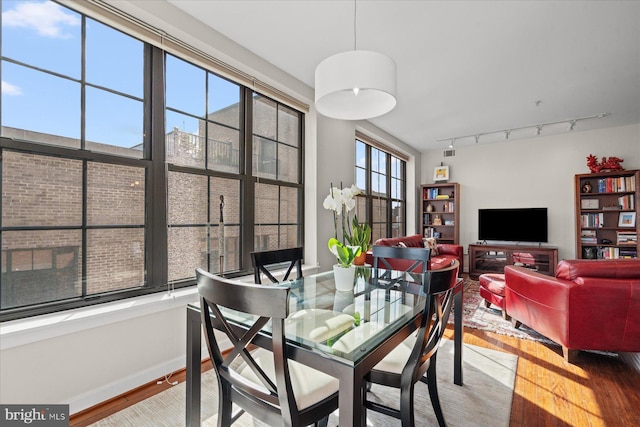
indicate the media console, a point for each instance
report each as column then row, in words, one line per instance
column 493, row 258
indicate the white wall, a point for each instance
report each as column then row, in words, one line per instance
column 537, row 172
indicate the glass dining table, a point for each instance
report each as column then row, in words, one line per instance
column 390, row 302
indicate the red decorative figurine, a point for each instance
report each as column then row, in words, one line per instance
column 610, row 164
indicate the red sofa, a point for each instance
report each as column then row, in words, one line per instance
column 589, row 305
column 446, row 252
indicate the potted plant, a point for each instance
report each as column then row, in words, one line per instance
column 345, row 254
column 341, row 201
column 361, row 237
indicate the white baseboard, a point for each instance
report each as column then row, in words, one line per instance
column 123, row 385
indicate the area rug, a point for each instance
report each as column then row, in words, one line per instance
column 476, row 315
column 484, row 400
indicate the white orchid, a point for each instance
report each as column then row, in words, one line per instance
column 334, row 200
column 341, row 201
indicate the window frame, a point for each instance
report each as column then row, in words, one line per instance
column 368, row 195
column 153, row 160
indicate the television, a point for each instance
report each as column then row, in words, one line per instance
column 513, row 224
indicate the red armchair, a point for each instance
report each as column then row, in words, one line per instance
column 589, row 305
column 446, row 252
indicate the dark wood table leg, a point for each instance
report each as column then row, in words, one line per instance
column 457, row 336
column 193, row 379
column 350, row 399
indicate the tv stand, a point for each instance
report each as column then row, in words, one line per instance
column 489, row 258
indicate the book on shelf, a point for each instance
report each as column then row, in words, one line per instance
column 588, row 236
column 628, row 253
column 592, row 220
column 450, row 207
column 429, row 232
column 442, row 196
column 616, row 184
column 627, row 238
column 626, row 202
column 616, row 253
column 608, row 253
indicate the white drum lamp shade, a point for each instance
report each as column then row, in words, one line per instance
column 355, row 85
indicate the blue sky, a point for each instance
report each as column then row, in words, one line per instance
column 46, row 35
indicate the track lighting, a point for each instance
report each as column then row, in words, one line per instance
column 571, row 124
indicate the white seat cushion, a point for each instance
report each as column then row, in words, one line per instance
column 393, row 362
column 396, row 360
column 309, row 385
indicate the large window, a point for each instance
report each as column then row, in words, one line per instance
column 109, row 191
column 382, row 177
column 276, row 159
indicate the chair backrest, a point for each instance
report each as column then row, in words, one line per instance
column 439, row 287
column 420, row 256
column 415, row 261
column 266, row 303
column 261, row 260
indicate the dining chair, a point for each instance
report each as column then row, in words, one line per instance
column 417, row 261
column 265, row 384
column 262, row 260
column 414, row 359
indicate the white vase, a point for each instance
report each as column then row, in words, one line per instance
column 344, row 277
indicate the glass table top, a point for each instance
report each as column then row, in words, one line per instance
column 346, row 325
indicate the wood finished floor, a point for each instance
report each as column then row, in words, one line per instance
column 596, row 391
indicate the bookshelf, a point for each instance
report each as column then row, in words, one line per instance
column 607, row 214
column 440, row 211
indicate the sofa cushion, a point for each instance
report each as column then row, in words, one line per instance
column 441, row 261
column 446, row 252
column 613, row 269
column 413, row 241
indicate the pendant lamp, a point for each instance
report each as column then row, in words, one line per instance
column 355, row 85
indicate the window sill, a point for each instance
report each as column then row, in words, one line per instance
column 20, row 332
column 25, row 331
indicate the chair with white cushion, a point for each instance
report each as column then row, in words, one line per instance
column 414, row 359
column 266, row 384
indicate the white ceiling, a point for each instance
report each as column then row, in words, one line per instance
column 464, row 67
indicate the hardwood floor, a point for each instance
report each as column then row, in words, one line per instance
column 598, row 390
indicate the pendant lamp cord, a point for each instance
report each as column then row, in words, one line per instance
column 355, row 9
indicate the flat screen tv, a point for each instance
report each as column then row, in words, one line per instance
column 513, row 224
